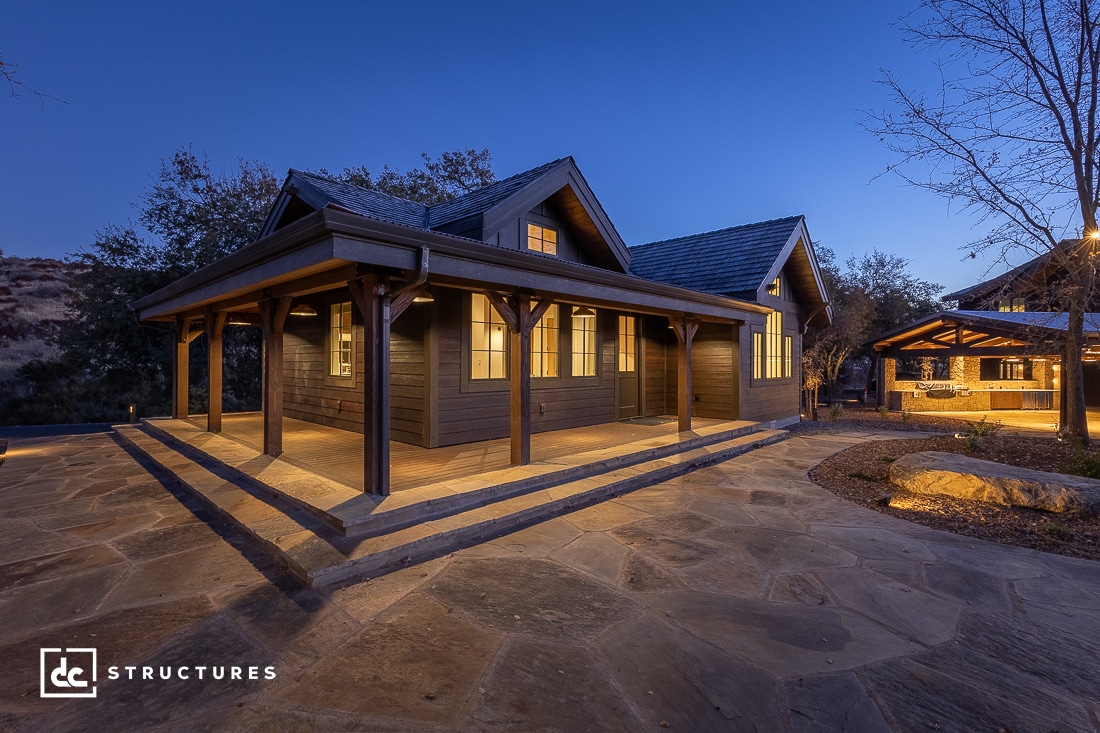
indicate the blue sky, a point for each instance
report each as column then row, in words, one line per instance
column 684, row 117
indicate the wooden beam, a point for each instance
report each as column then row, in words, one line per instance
column 180, row 372
column 273, row 311
column 314, row 283
column 684, row 329
column 504, row 310
column 215, row 324
column 367, row 292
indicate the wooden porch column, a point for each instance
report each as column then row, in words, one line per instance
column 521, row 319
column 273, row 312
column 180, row 372
column 215, row 324
column 374, row 307
column 685, row 329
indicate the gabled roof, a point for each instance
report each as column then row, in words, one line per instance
column 479, row 201
column 737, row 261
column 1007, row 281
column 724, row 261
column 559, row 182
column 977, row 330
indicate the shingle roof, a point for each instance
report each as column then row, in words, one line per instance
column 485, row 198
column 1031, row 319
column 734, row 260
column 367, row 202
column 1006, row 279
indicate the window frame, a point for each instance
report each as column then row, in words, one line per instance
column 766, row 366
column 584, row 353
column 330, row 348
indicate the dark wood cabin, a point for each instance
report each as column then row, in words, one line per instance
column 513, row 309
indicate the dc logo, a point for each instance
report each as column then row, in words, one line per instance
column 68, row 672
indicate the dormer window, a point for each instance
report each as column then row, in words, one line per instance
column 542, row 239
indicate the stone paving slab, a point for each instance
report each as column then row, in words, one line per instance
column 689, row 605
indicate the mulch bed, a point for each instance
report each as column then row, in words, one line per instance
column 861, row 474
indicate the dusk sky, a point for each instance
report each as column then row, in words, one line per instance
column 684, row 117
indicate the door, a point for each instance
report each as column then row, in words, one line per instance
column 629, row 384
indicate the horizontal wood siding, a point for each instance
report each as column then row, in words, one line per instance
column 467, row 412
column 713, row 372
column 310, row 394
column 658, row 346
column 771, row 399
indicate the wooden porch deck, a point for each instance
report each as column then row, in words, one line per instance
column 338, row 454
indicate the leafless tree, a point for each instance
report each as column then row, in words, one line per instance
column 1012, row 132
column 9, row 74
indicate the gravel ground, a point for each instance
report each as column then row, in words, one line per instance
column 860, row 474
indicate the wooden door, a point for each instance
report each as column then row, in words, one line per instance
column 629, row 384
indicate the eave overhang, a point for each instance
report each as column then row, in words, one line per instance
column 322, row 249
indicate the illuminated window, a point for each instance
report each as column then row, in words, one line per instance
column 774, row 288
column 488, row 340
column 339, row 345
column 584, row 342
column 773, row 363
column 788, row 344
column 627, row 344
column 542, row 239
column 757, row 355
column 544, row 345
column 1012, row 305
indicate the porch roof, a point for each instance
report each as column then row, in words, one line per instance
column 976, row 333
column 322, row 250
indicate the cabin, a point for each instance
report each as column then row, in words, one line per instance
column 513, row 310
column 1000, row 349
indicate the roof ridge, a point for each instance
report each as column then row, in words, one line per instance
column 499, row 183
column 373, row 191
column 717, row 231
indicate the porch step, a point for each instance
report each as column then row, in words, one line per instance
column 355, row 514
column 317, row 554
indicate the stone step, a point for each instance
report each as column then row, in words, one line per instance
column 318, row 555
column 355, row 514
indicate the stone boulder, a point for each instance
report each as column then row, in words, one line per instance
column 950, row 474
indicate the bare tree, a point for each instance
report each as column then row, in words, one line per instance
column 9, row 73
column 1012, row 133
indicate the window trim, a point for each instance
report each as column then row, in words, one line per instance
column 573, row 353
column 761, row 360
column 330, row 349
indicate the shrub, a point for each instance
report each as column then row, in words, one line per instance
column 976, row 432
column 836, row 412
column 883, row 411
column 862, row 476
column 1083, row 463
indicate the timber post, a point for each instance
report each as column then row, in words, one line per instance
column 215, row 325
column 180, row 372
column 368, row 293
column 684, row 329
column 273, row 312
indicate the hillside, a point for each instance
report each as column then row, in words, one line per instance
column 32, row 304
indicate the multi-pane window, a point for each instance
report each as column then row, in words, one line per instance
column 542, row 239
column 757, row 355
column 1012, row 305
column 775, row 288
column 627, row 344
column 584, row 342
column 544, row 344
column 488, row 340
column 339, row 345
column 788, row 344
column 773, row 358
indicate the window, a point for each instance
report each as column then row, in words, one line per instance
column 544, row 344
column 757, row 355
column 627, row 344
column 584, row 342
column 339, row 344
column 772, row 350
column 774, row 355
column 542, row 239
column 995, row 370
column 776, row 288
column 488, row 340
column 1012, row 305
